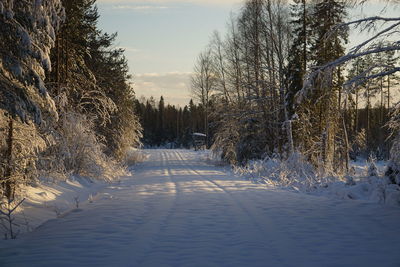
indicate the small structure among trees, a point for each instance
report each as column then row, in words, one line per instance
column 199, row 141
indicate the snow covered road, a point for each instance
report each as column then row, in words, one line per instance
column 179, row 210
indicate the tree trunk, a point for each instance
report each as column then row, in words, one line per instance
column 356, row 115
column 7, row 180
column 305, row 38
column 368, row 115
column 346, row 143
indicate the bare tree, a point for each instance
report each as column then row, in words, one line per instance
column 203, row 84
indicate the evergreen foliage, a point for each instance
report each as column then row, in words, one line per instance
column 168, row 125
column 66, row 102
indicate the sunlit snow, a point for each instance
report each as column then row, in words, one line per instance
column 179, row 210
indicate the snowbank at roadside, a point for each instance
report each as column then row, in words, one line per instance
column 49, row 199
column 52, row 198
column 297, row 174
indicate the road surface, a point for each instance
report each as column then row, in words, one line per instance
column 180, row 210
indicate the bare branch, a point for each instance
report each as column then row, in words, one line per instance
column 362, row 77
column 358, row 47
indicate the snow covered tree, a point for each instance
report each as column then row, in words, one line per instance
column 60, row 115
column 27, row 34
column 382, row 39
column 93, row 77
column 73, row 73
column 320, row 130
column 299, row 51
column 247, row 106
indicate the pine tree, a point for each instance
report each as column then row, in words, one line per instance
column 73, row 74
column 321, row 107
column 26, row 37
column 161, row 121
column 299, row 51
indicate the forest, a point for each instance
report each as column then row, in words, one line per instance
column 166, row 125
column 286, row 152
column 66, row 99
column 281, row 81
column 286, row 79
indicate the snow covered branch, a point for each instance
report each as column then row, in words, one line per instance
column 362, row 77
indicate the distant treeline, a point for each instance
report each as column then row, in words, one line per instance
column 168, row 125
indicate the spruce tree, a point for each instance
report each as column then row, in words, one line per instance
column 299, row 51
column 321, row 128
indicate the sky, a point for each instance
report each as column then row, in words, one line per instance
column 162, row 40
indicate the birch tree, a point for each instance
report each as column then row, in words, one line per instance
column 203, row 84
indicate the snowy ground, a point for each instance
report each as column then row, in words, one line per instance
column 179, row 210
column 48, row 200
column 365, row 181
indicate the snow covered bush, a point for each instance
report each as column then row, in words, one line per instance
column 393, row 168
column 134, row 156
column 372, row 169
column 19, row 145
column 77, row 150
column 226, row 139
column 298, row 174
column 294, row 172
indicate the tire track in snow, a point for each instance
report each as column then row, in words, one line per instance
column 164, row 222
column 232, row 207
column 205, row 227
column 172, row 210
column 276, row 248
column 192, row 170
column 176, row 231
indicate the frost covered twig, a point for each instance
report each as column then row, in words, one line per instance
column 7, row 219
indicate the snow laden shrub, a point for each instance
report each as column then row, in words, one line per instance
column 134, row 156
column 294, row 172
column 126, row 134
column 372, row 189
column 380, row 189
column 393, row 169
column 20, row 144
column 365, row 186
column 226, row 139
column 80, row 151
column 372, row 169
column 298, row 174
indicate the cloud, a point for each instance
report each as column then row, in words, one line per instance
column 197, row 2
column 165, row 75
column 139, row 7
column 173, row 86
